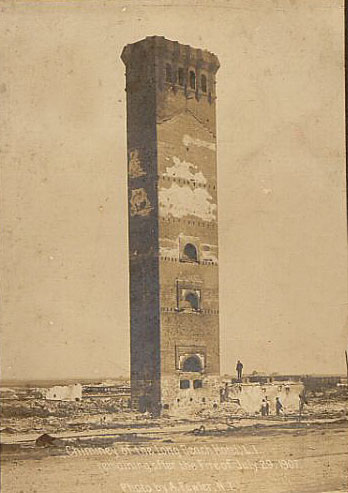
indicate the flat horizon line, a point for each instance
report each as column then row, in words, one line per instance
column 127, row 377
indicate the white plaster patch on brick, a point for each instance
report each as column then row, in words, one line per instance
column 169, row 252
column 208, row 252
column 169, row 248
column 179, row 202
column 211, row 258
column 187, row 141
column 185, row 170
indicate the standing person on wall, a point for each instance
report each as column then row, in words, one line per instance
column 239, row 369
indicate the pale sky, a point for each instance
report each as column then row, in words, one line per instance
column 280, row 126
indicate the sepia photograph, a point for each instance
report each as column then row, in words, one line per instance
column 173, row 246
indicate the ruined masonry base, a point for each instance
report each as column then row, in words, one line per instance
column 186, row 402
column 177, row 401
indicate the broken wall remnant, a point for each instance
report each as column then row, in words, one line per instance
column 64, row 392
column 250, row 395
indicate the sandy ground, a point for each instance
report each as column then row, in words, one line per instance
column 302, row 460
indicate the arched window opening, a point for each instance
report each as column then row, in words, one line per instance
column 192, row 364
column 168, row 73
column 181, row 76
column 197, row 384
column 192, row 80
column 204, row 83
column 190, row 253
column 193, row 300
column 184, row 384
column 188, row 298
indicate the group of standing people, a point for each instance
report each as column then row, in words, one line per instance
column 265, row 407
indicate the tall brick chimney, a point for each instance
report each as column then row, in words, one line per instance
column 173, row 236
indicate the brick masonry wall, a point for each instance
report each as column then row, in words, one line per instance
column 188, row 209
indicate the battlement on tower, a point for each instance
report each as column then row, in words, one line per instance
column 156, row 62
column 160, row 47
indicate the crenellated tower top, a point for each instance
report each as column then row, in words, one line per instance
column 158, row 61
